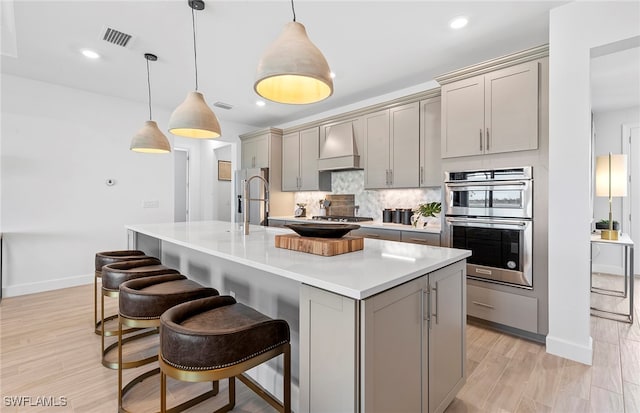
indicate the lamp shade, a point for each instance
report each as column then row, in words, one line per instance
column 150, row 139
column 616, row 180
column 293, row 70
column 194, row 119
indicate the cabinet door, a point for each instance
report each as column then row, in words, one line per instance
column 376, row 142
column 446, row 331
column 290, row 161
column 309, row 150
column 511, row 108
column 393, row 349
column 255, row 152
column 328, row 352
column 463, row 118
column 405, row 147
column 430, row 157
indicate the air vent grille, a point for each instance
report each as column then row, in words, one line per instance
column 223, row 105
column 116, row 37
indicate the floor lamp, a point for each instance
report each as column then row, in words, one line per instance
column 611, row 180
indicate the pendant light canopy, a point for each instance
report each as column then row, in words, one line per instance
column 293, row 70
column 193, row 118
column 149, row 139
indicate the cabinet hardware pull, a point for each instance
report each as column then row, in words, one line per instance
column 488, row 140
column 435, row 313
column 386, row 178
column 480, row 139
column 373, row 236
column 425, row 307
column 422, row 174
column 482, row 304
column 418, row 239
column 390, row 177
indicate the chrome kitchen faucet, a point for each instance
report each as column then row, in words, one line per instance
column 247, row 199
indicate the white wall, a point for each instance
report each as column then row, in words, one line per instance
column 608, row 128
column 574, row 29
column 59, row 146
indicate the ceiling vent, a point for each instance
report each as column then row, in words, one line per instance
column 116, row 37
column 223, row 105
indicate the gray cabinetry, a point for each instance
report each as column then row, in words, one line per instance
column 426, row 366
column 430, row 157
column 300, row 161
column 255, row 151
column 426, row 238
column 392, row 140
column 491, row 113
column 377, row 233
column 501, row 307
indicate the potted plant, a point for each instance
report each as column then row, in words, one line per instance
column 604, row 224
column 424, row 212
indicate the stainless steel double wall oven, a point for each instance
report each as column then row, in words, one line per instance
column 490, row 213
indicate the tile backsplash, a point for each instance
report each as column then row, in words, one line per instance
column 371, row 202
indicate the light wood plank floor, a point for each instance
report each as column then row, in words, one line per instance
column 48, row 349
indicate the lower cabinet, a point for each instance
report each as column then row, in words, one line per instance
column 377, row 233
column 426, row 238
column 402, row 350
column 509, row 309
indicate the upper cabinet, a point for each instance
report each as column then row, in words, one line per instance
column 491, row 113
column 300, row 162
column 255, row 151
column 430, row 161
column 392, row 141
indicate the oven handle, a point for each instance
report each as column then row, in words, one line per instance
column 485, row 183
column 487, row 223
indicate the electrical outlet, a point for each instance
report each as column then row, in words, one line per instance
column 151, row 204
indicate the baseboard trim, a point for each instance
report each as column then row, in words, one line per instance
column 48, row 285
column 571, row 350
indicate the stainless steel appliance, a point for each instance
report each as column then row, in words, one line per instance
column 490, row 213
column 257, row 213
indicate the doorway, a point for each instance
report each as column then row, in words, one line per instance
column 631, row 204
column 181, row 185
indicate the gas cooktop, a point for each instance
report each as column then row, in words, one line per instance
column 340, row 218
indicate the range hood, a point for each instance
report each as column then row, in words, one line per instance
column 339, row 151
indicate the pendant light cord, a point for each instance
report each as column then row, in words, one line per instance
column 149, row 87
column 293, row 10
column 195, row 53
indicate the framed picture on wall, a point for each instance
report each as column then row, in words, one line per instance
column 224, row 171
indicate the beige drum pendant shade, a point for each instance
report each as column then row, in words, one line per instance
column 293, row 70
column 194, row 119
column 150, row 139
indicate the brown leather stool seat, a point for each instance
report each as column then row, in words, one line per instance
column 142, row 302
column 113, row 275
column 105, row 258
column 216, row 338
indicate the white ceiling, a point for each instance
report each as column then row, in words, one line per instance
column 374, row 47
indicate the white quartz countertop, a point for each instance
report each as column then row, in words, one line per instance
column 381, row 265
column 436, row 229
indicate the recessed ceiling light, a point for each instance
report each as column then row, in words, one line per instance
column 458, row 22
column 332, row 75
column 90, row 54
column 260, row 103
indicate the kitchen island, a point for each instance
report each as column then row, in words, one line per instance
column 381, row 329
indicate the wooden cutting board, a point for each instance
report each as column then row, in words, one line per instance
column 320, row 246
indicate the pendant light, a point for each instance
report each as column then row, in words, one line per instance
column 149, row 139
column 193, row 118
column 293, row 70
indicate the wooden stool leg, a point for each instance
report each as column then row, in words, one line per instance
column 95, row 304
column 232, row 392
column 163, row 392
column 119, row 363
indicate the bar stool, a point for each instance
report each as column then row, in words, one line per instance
column 112, row 276
column 105, row 258
column 216, row 338
column 142, row 301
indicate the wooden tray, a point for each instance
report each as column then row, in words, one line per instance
column 320, row 246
